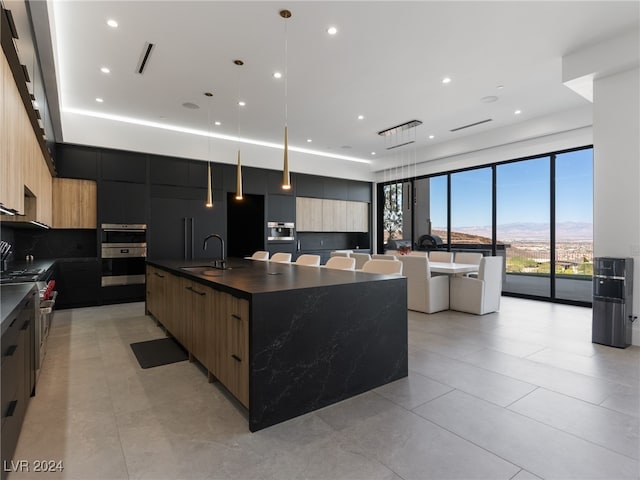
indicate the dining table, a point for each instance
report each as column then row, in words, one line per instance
column 452, row 268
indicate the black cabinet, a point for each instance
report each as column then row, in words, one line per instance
column 123, row 166
column 18, row 373
column 74, row 161
column 122, row 202
column 359, row 191
column 281, row 208
column 309, row 186
column 179, row 223
column 181, row 172
column 77, row 282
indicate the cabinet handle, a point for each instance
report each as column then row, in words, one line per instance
column 11, row 350
column 158, row 275
column 195, row 291
column 237, row 317
column 12, row 322
column 236, row 358
column 12, row 408
column 25, row 325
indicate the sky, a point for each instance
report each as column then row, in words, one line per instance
column 522, row 192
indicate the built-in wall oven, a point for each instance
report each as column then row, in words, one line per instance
column 124, row 253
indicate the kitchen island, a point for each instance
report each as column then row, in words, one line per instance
column 284, row 339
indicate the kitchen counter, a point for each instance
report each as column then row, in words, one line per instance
column 316, row 336
column 12, row 296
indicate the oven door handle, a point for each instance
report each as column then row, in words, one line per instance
column 192, row 221
column 184, row 237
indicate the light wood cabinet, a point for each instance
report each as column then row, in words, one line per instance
column 74, row 203
column 308, row 214
column 13, row 128
column 233, row 345
column 357, row 217
column 326, row 215
column 212, row 325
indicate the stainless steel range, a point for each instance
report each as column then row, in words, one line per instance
column 124, row 253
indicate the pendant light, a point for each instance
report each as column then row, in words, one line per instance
column 239, row 167
column 286, row 178
column 209, row 203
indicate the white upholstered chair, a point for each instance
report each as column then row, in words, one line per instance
column 468, row 257
column 383, row 256
column 387, row 267
column 341, row 263
column 425, row 293
column 361, row 259
column 440, row 256
column 281, row 257
column 341, row 253
column 260, row 255
column 308, row 260
column 418, row 253
column 479, row 295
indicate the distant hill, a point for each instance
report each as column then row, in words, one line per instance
column 565, row 232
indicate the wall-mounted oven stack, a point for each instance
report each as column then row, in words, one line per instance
column 124, row 253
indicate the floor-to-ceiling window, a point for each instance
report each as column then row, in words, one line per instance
column 574, row 225
column 471, row 200
column 523, row 225
column 536, row 212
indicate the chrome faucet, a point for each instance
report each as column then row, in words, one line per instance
column 221, row 263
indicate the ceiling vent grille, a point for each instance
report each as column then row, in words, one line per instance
column 144, row 57
column 471, row 125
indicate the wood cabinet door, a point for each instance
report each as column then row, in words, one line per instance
column 309, row 214
column 234, row 346
column 197, row 314
column 334, row 215
column 74, row 203
column 357, row 217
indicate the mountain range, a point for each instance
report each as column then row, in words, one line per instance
column 524, row 231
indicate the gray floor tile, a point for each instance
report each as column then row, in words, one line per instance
column 599, row 425
column 413, row 390
column 537, row 448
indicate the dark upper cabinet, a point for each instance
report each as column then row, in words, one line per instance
column 335, row 188
column 309, row 186
column 274, row 180
column 359, row 191
column 281, row 208
column 123, row 166
column 183, row 173
column 122, row 202
column 253, row 180
column 74, row 161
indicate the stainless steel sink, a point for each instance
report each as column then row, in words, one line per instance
column 206, row 270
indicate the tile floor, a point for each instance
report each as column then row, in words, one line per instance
column 519, row 394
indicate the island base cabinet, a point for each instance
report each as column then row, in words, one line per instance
column 196, row 312
column 232, row 346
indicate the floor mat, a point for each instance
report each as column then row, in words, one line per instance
column 162, row 351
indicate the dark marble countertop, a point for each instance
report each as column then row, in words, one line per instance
column 251, row 277
column 10, row 299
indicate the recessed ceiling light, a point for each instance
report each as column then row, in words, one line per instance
column 277, row 75
column 489, row 99
column 332, row 30
column 446, row 80
column 309, row 140
column 373, row 153
column 105, row 70
column 431, row 137
column 242, row 103
column 190, row 105
column 112, row 23
column 217, row 124
column 360, row 117
column 517, row 112
column 500, row 87
column 99, row 100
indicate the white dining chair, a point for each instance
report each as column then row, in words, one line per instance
column 425, row 292
column 281, row 257
column 361, row 259
column 308, row 260
column 470, row 258
column 383, row 256
column 260, row 255
column 418, row 253
column 387, row 267
column 440, row 256
column 341, row 263
column 479, row 295
column 341, row 253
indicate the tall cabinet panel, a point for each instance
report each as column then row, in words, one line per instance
column 14, row 126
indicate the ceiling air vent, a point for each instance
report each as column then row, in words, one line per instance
column 144, row 57
column 471, row 125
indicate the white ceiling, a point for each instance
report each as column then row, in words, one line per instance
column 386, row 62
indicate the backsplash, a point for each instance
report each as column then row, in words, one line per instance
column 51, row 244
column 332, row 240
